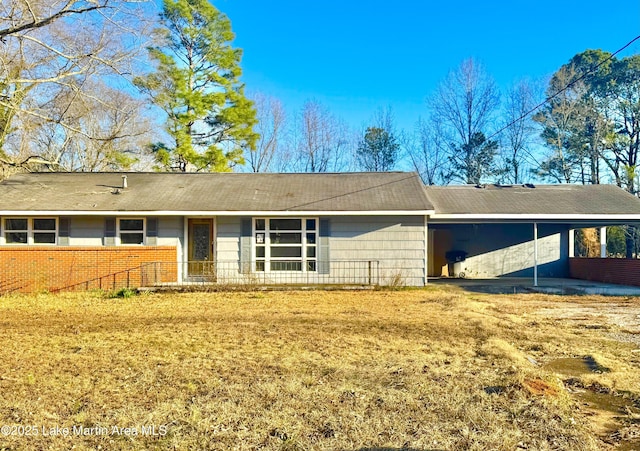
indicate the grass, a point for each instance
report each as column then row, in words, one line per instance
column 417, row 369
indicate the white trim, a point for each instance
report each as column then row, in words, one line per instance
column 271, row 213
column 131, row 232
column 210, row 214
column 182, row 259
column 572, row 243
column 426, row 250
column 531, row 217
column 214, row 239
column 267, row 245
column 30, row 231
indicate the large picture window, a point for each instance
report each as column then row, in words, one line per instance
column 30, row 230
column 285, row 244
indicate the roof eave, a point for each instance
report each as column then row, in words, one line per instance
column 216, row 213
column 533, row 217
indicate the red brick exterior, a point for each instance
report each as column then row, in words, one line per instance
column 609, row 270
column 36, row 268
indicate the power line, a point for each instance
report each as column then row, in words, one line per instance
column 569, row 85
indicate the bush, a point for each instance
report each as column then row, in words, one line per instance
column 124, row 293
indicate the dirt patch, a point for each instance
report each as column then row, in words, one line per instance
column 539, row 387
column 624, row 314
column 614, row 416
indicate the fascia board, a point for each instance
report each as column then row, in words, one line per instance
column 214, row 213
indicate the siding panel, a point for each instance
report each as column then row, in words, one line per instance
column 397, row 243
column 170, row 231
column 228, row 239
column 86, row 231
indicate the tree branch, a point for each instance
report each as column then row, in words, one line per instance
column 34, row 24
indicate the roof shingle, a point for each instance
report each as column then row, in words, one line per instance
column 219, row 192
column 533, row 200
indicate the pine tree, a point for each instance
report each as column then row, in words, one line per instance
column 197, row 85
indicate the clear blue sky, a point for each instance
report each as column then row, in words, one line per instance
column 357, row 56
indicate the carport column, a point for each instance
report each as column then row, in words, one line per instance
column 572, row 243
column 603, row 242
column 535, row 254
column 426, row 249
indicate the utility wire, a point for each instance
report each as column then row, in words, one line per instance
column 569, row 85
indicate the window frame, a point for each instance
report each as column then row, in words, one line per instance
column 119, row 231
column 266, row 261
column 30, row 230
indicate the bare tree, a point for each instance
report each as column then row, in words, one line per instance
column 114, row 135
column 427, row 150
column 24, row 15
column 52, row 55
column 271, row 128
column 319, row 142
column 518, row 134
column 463, row 108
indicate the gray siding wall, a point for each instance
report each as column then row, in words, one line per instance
column 170, row 231
column 227, row 238
column 89, row 231
column 508, row 249
column 397, row 243
column 86, row 231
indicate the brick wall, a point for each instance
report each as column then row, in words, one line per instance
column 36, row 268
column 609, row 270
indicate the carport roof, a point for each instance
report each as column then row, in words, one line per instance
column 544, row 201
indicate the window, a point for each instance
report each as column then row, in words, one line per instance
column 131, row 231
column 44, row 231
column 30, row 230
column 285, row 244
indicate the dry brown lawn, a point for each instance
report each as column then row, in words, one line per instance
column 419, row 370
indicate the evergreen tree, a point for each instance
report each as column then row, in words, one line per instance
column 378, row 150
column 474, row 160
column 197, row 84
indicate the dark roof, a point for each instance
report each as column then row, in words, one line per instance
column 219, row 192
column 533, row 200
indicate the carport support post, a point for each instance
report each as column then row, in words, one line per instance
column 535, row 254
column 603, row 242
column 572, row 243
column 426, row 250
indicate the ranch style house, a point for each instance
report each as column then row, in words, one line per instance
column 107, row 230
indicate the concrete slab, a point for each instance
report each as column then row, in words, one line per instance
column 506, row 285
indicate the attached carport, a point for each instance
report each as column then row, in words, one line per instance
column 519, row 230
